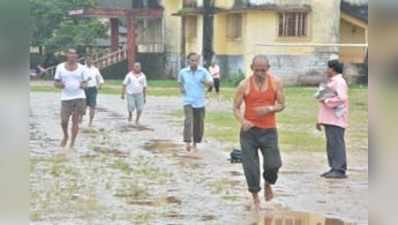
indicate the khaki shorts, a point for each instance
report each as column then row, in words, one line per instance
column 135, row 102
column 68, row 107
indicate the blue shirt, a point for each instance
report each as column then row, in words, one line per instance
column 193, row 83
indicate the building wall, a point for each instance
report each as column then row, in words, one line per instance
column 350, row 33
column 172, row 29
column 226, row 4
column 195, row 44
column 261, row 26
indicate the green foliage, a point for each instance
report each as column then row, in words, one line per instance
column 53, row 29
column 234, row 80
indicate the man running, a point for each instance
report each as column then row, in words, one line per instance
column 193, row 80
column 263, row 96
column 135, row 84
column 94, row 84
column 72, row 78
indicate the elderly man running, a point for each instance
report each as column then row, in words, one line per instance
column 263, row 96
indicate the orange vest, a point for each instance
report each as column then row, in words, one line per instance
column 257, row 98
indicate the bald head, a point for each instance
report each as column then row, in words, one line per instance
column 260, row 59
column 260, row 65
column 137, row 67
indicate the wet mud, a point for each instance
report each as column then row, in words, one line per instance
column 122, row 174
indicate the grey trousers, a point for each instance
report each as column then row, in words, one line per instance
column 335, row 146
column 193, row 124
column 267, row 141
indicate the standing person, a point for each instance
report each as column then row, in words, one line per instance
column 94, row 84
column 193, row 80
column 263, row 96
column 136, row 84
column 72, row 78
column 333, row 116
column 215, row 72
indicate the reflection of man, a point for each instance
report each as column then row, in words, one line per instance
column 94, row 84
column 72, row 78
column 263, row 96
column 193, row 81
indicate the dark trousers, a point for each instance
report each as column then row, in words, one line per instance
column 193, row 124
column 267, row 141
column 216, row 82
column 335, row 146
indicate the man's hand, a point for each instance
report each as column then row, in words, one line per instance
column 83, row 84
column 182, row 90
column 318, row 126
column 122, row 97
column 246, row 125
column 59, row 84
column 262, row 111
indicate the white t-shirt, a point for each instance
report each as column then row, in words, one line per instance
column 95, row 76
column 71, row 80
column 135, row 83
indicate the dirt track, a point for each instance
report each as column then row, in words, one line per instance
column 118, row 174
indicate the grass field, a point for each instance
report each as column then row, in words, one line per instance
column 156, row 87
column 296, row 123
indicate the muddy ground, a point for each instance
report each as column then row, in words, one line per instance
column 119, row 174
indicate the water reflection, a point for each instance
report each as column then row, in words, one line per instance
column 296, row 218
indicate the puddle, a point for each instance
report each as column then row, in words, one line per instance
column 160, row 146
column 173, row 200
column 142, row 203
column 295, row 218
column 107, row 150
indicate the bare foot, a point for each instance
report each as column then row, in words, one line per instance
column 64, row 141
column 257, row 203
column 137, row 124
column 268, row 194
column 72, row 144
column 90, row 124
column 188, row 147
column 195, row 147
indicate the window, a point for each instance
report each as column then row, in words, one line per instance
column 146, row 3
column 234, row 26
column 190, row 3
column 293, row 24
column 191, row 27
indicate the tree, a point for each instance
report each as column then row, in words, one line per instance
column 54, row 30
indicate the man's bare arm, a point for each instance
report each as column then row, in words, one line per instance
column 144, row 94
column 59, row 84
column 123, row 91
column 238, row 100
column 280, row 97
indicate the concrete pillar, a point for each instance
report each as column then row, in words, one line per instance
column 131, row 42
column 114, row 34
